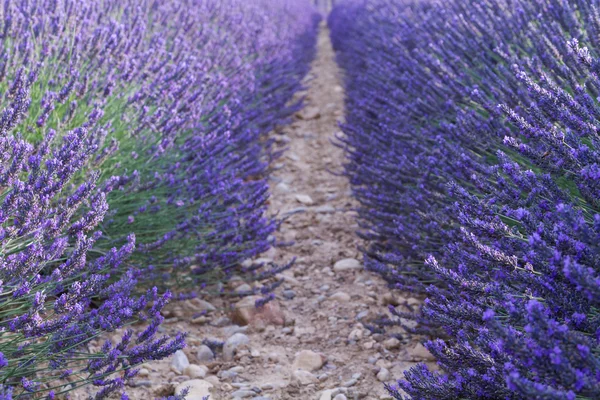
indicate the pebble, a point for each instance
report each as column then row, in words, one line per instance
column 282, row 187
column 383, row 375
column 297, row 210
column 289, row 294
column 195, row 371
column 303, row 377
column 355, row 335
column 198, row 389
column 391, row 343
column 242, row 394
column 179, row 362
column 232, row 344
column 340, row 297
column 204, row 354
column 231, row 372
column 350, row 382
column 308, row 360
column 309, row 113
column 304, row 199
column 326, row 209
column 200, row 305
column 340, row 397
column 221, row 321
column 347, row 264
column 243, row 288
column 246, row 313
column 362, row 314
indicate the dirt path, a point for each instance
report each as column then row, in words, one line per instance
column 308, row 343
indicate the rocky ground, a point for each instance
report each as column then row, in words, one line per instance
column 309, row 343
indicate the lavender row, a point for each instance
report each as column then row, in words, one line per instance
column 133, row 161
column 473, row 149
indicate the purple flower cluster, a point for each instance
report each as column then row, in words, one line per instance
column 472, row 142
column 132, row 155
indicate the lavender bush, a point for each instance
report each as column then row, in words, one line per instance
column 131, row 154
column 472, row 143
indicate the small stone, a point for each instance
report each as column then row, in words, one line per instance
column 197, row 305
column 326, row 209
column 289, row 294
column 391, row 343
column 204, row 354
column 308, row 360
column 179, row 362
column 326, row 394
column 242, row 394
column 390, row 299
column 282, row 187
column 350, row 382
column 420, row 352
column 143, row 372
column 355, row 335
column 304, row 199
column 303, row 377
column 198, row 389
column 340, row 397
column 230, row 346
column 347, row 264
column 362, row 315
column 195, row 371
column 383, row 375
column 231, row 372
column 340, row 297
column 246, row 313
column 243, row 288
column 233, row 329
column 309, row 113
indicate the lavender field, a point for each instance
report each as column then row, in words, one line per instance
column 298, row 199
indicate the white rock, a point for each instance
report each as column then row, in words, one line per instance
column 179, row 362
column 340, row 396
column 383, row 375
column 347, row 264
column 355, row 335
column 198, row 389
column 326, row 394
column 204, row 354
column 282, row 187
column 304, row 199
column 244, row 287
column 304, row 377
column 308, row 360
column 232, row 344
column 195, row 371
column 340, row 297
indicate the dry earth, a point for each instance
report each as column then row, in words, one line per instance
column 309, row 343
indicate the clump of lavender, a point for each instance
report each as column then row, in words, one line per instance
column 472, row 143
column 130, row 154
